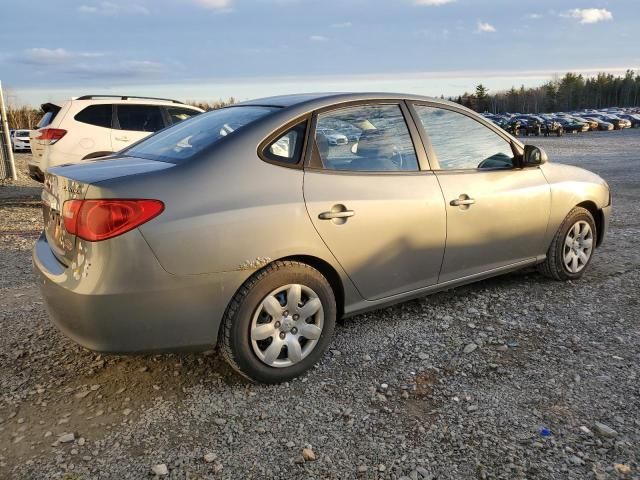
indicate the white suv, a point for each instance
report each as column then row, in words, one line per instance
column 94, row 126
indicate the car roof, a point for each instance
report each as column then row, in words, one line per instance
column 324, row 99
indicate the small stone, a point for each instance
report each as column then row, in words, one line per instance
column 576, row 460
column 604, row 430
column 381, row 467
column 502, row 348
column 472, row 408
column 81, row 441
column 291, row 444
column 160, row 469
column 126, row 411
column 362, row 468
column 219, row 421
column 405, row 394
column 82, row 394
column 367, row 358
column 586, row 430
column 470, row 348
column 299, row 459
column 423, row 356
column 622, row 469
column 66, row 438
column 47, row 434
column 308, row 455
column 336, row 353
column 210, row 457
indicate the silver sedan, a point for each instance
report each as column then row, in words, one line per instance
column 247, row 227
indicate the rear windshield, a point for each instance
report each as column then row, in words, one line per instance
column 22, row 133
column 46, row 119
column 190, row 137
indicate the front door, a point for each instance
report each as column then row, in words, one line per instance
column 381, row 217
column 497, row 215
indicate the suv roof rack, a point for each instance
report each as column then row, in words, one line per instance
column 127, row 97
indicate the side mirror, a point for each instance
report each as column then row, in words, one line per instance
column 534, row 156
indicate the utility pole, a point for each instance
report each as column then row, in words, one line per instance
column 8, row 164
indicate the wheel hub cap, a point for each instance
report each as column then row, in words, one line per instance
column 578, row 247
column 287, row 325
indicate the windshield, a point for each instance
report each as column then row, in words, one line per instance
column 190, row 137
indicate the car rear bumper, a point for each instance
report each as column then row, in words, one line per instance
column 117, row 298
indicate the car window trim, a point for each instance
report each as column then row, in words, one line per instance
column 313, row 161
column 279, row 132
column 516, row 147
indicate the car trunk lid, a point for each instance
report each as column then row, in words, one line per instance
column 72, row 182
column 38, row 147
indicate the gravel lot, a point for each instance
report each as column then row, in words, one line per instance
column 403, row 393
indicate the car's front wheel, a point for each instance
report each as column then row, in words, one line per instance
column 279, row 323
column 572, row 247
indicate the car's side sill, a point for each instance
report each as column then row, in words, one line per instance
column 367, row 305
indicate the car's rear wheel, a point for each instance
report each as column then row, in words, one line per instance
column 279, row 323
column 572, row 247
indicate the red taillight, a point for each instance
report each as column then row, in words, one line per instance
column 51, row 135
column 96, row 220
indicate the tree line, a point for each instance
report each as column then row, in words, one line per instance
column 570, row 92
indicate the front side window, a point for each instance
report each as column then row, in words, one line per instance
column 98, row 115
column 460, row 142
column 288, row 147
column 184, row 140
column 140, row 118
column 177, row 114
column 365, row 138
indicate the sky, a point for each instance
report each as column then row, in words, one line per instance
column 210, row 49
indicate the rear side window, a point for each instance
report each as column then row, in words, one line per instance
column 140, row 118
column 186, row 139
column 98, row 115
column 177, row 115
column 288, row 147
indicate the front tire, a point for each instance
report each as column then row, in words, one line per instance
column 279, row 323
column 572, row 247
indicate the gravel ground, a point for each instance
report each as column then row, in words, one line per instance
column 515, row 377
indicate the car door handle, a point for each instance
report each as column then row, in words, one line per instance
column 463, row 200
column 340, row 214
column 122, row 139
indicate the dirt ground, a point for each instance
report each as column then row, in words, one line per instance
column 551, row 391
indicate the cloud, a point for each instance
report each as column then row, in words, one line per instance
column 61, row 62
column 214, row 4
column 110, row 8
column 589, row 15
column 432, row 3
column 318, row 38
column 484, row 27
column 52, row 56
column 342, row 25
column 534, row 16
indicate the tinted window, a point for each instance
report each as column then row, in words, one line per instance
column 186, row 139
column 140, row 118
column 365, row 138
column 178, row 114
column 46, row 119
column 461, row 142
column 287, row 148
column 98, row 115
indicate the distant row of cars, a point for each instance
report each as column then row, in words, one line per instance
column 566, row 122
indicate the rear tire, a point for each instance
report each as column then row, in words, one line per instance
column 264, row 330
column 572, row 248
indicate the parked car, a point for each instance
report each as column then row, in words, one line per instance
column 602, row 124
column 618, row 123
column 333, row 137
column 20, row 140
column 204, row 233
column 634, row 120
column 593, row 124
column 95, row 126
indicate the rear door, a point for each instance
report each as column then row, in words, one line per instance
column 497, row 214
column 135, row 122
column 379, row 213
